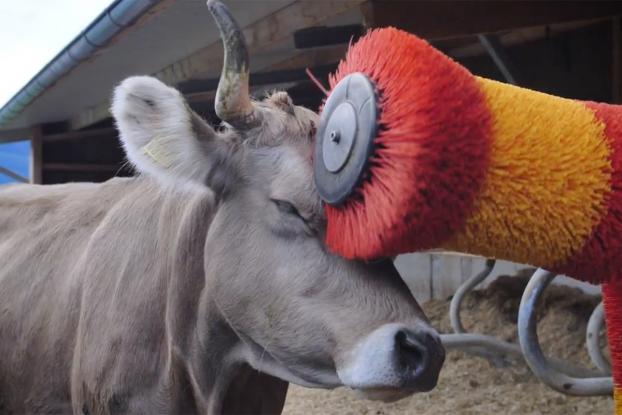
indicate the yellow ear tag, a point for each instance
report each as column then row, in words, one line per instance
column 157, row 152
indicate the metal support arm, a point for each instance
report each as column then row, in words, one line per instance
column 463, row 290
column 533, row 354
column 592, row 339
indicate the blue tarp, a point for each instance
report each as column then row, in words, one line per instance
column 15, row 157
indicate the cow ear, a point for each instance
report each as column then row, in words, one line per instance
column 164, row 138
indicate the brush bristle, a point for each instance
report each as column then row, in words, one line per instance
column 599, row 259
column 612, row 299
column 430, row 155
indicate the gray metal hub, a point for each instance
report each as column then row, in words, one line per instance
column 345, row 137
column 338, row 142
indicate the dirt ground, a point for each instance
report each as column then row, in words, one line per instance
column 470, row 385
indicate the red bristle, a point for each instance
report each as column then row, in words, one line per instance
column 612, row 299
column 600, row 260
column 430, row 155
column 316, row 81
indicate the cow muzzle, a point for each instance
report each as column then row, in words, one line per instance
column 394, row 361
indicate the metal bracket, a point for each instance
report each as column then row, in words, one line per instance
column 482, row 345
column 540, row 366
column 488, row 347
column 592, row 339
column 496, row 51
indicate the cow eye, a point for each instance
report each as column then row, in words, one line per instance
column 287, row 208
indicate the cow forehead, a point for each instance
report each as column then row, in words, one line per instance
column 285, row 122
column 290, row 176
column 294, row 172
column 283, row 148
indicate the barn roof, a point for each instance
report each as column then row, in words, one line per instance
column 174, row 40
column 177, row 41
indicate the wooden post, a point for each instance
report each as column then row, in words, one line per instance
column 36, row 156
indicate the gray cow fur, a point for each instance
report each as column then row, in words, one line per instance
column 177, row 290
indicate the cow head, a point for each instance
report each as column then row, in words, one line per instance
column 300, row 312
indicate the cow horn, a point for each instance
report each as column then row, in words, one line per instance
column 233, row 103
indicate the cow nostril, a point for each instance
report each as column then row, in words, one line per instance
column 412, row 353
column 419, row 358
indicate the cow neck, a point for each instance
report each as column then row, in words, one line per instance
column 202, row 347
column 220, row 359
column 202, row 361
column 222, row 381
column 205, row 351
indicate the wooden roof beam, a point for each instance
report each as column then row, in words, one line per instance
column 260, row 36
column 446, row 19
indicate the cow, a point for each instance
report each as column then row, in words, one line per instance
column 202, row 284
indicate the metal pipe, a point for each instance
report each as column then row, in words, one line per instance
column 462, row 291
column 13, row 175
column 490, row 348
column 528, row 338
column 480, row 341
column 496, row 51
column 592, row 339
column 466, row 342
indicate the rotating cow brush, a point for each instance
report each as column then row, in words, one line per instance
column 413, row 152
